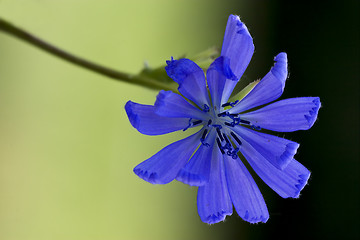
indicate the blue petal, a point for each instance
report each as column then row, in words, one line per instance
column 144, row 119
column 169, row 104
column 286, row 115
column 213, row 199
column 164, row 166
column 216, row 76
column 268, row 89
column 190, row 78
column 278, row 151
column 196, row 172
column 244, row 193
column 238, row 47
column 287, row 183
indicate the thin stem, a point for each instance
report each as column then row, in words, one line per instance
column 114, row 74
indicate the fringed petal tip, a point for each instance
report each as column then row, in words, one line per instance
column 150, row 177
column 217, row 217
column 281, row 57
column 312, row 115
column 175, row 72
column 280, row 68
column 191, row 178
column 241, row 27
column 302, row 182
column 287, row 156
column 133, row 118
column 254, row 219
column 178, row 70
column 161, row 97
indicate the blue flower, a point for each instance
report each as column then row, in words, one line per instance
column 209, row 158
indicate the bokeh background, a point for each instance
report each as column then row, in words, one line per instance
column 67, row 149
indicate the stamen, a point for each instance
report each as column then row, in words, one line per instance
column 255, row 127
column 229, row 124
column 223, row 114
column 217, row 126
column 226, row 139
column 204, row 143
column 204, row 134
column 234, row 153
column 236, row 138
column 197, row 122
column 232, row 104
column 219, row 134
column 202, row 139
column 219, row 145
column 206, row 108
column 209, row 122
column 225, row 104
column 244, row 121
column 190, row 124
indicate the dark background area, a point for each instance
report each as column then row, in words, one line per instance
column 322, row 40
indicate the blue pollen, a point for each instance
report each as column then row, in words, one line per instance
column 197, row 122
column 226, row 139
column 229, row 124
column 223, row 114
column 219, row 145
column 192, row 124
column 255, row 127
column 228, row 147
column 232, row 104
column 206, row 108
column 219, row 134
column 202, row 139
column 244, row 121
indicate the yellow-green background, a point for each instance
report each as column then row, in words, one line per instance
column 67, row 149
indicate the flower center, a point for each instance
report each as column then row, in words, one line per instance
column 226, row 139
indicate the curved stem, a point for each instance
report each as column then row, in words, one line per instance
column 114, row 74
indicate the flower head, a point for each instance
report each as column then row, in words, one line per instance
column 210, row 158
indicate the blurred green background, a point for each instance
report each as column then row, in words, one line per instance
column 67, row 149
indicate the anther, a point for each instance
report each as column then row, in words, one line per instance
column 255, row 127
column 244, row 121
column 209, row 122
column 229, row 124
column 219, row 145
column 190, row 124
column 234, row 153
column 204, row 134
column 219, row 134
column 225, row 104
column 204, row 143
column 206, row 108
column 236, row 138
column 232, row 104
column 226, row 139
column 202, row 139
column 197, row 122
column 223, row 114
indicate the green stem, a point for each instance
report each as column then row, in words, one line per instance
column 114, row 74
